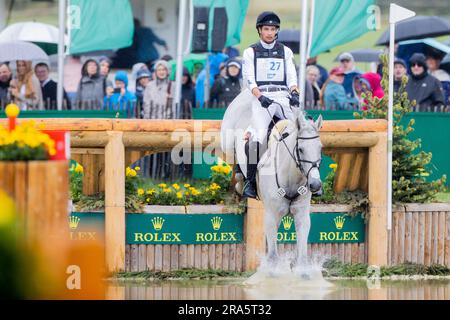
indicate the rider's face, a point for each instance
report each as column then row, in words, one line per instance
column 268, row 33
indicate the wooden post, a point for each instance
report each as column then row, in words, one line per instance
column 115, row 202
column 378, row 235
column 255, row 243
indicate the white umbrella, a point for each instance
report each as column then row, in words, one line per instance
column 44, row 35
column 20, row 50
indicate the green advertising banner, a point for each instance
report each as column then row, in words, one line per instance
column 86, row 226
column 147, row 228
column 184, row 228
column 325, row 228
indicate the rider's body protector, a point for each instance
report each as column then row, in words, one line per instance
column 268, row 64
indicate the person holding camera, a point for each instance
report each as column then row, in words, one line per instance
column 120, row 98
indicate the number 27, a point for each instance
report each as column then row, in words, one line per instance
column 274, row 65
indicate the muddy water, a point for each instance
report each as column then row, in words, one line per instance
column 237, row 289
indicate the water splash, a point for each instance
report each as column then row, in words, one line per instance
column 278, row 280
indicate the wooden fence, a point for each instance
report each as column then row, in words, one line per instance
column 106, row 147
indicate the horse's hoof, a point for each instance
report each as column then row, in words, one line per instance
column 305, row 276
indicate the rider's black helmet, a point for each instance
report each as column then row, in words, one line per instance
column 268, row 18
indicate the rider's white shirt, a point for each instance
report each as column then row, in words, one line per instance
column 248, row 67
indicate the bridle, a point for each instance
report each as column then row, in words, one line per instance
column 297, row 159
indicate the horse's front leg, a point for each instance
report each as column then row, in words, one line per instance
column 272, row 221
column 302, row 225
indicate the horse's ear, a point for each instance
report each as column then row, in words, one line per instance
column 319, row 123
column 301, row 121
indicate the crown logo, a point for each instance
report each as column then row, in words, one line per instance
column 158, row 223
column 339, row 222
column 216, row 223
column 73, row 222
column 287, row 222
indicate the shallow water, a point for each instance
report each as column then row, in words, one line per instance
column 280, row 282
column 236, row 290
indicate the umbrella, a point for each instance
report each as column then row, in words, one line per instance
column 418, row 28
column 445, row 63
column 364, row 55
column 20, row 50
column 41, row 34
column 426, row 46
column 290, row 38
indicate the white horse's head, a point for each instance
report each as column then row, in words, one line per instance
column 309, row 151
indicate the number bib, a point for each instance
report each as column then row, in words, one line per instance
column 269, row 70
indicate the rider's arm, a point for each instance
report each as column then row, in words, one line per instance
column 248, row 72
column 291, row 73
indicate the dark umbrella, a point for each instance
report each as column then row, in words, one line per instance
column 290, row 38
column 417, row 28
column 364, row 55
column 429, row 47
column 445, row 63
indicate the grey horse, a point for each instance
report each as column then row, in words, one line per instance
column 288, row 171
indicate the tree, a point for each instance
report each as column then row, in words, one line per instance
column 409, row 163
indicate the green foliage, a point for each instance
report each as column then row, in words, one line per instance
column 182, row 274
column 409, row 164
column 358, row 200
column 76, row 185
column 336, row 268
column 14, row 152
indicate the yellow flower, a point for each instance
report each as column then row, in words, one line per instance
column 214, row 186
column 221, row 202
column 140, row 191
column 162, row 185
column 186, row 193
column 333, row 166
column 79, row 168
column 187, row 185
column 179, row 195
column 215, row 168
column 12, row 110
column 130, row 172
column 424, row 174
column 167, row 190
column 176, row 186
column 148, row 199
column 137, row 168
column 151, row 191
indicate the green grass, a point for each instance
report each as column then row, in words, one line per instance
column 331, row 268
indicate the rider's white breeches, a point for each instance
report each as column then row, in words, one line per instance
column 260, row 117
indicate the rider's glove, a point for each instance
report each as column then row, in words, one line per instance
column 294, row 99
column 265, row 102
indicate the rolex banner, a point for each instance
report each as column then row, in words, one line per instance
column 148, row 228
column 99, row 25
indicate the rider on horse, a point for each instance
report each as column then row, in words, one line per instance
column 268, row 69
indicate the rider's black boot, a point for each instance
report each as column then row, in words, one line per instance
column 252, row 152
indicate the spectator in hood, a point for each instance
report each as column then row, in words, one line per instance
column 368, row 82
column 159, row 93
column 214, row 61
column 423, row 87
column 143, row 78
column 187, row 89
column 433, row 64
column 5, row 79
column 91, row 88
column 333, row 95
column 105, row 68
column 120, row 98
column 50, row 88
column 226, row 88
column 400, row 70
column 348, row 64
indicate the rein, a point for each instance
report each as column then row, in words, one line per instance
column 302, row 190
